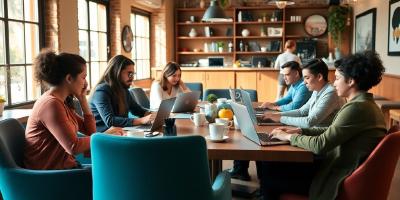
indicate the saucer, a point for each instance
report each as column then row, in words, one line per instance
column 219, row 140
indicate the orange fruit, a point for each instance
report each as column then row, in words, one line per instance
column 225, row 113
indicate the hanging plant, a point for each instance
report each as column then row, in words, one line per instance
column 337, row 22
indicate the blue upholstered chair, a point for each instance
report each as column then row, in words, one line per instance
column 17, row 183
column 139, row 95
column 196, row 87
column 154, row 168
column 224, row 93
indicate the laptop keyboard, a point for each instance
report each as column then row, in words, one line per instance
column 266, row 137
column 257, row 109
column 262, row 120
column 144, row 126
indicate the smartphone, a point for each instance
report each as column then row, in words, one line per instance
column 151, row 134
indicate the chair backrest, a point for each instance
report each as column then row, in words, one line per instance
column 19, row 183
column 372, row 179
column 140, row 97
column 196, row 87
column 150, row 168
column 12, row 142
column 224, row 93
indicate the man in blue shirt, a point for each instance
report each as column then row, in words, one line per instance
column 298, row 93
column 296, row 97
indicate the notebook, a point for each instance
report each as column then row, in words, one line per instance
column 186, row 102
column 162, row 114
column 256, row 119
column 249, row 130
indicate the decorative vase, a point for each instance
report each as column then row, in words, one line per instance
column 1, row 108
column 211, row 112
column 245, row 32
column 202, row 4
column 192, row 33
column 338, row 55
column 221, row 49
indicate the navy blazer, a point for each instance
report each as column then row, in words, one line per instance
column 104, row 109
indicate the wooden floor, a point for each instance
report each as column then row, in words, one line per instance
column 394, row 193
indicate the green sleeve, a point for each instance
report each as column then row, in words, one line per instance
column 313, row 131
column 347, row 123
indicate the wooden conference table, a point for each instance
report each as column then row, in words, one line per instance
column 237, row 147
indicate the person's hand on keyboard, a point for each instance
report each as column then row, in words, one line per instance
column 289, row 130
column 115, row 131
column 276, row 117
column 148, row 119
column 281, row 135
column 267, row 105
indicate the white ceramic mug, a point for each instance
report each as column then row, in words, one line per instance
column 198, row 119
column 217, row 131
column 228, row 123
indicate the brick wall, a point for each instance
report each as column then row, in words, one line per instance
column 51, row 25
column 115, row 27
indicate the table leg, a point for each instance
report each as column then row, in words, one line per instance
column 215, row 168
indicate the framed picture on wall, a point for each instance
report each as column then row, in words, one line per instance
column 365, row 30
column 394, row 28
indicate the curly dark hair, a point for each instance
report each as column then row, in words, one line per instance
column 52, row 68
column 365, row 68
column 317, row 66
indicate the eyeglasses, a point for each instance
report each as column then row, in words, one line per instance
column 131, row 74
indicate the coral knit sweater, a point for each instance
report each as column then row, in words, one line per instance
column 51, row 134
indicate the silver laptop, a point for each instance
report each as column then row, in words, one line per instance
column 162, row 114
column 249, row 130
column 186, row 102
column 256, row 118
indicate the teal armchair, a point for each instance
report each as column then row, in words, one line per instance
column 17, row 183
column 154, row 168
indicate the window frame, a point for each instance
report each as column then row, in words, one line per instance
column 88, row 61
column 137, row 11
column 7, row 65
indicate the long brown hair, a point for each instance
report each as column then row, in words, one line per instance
column 168, row 70
column 111, row 77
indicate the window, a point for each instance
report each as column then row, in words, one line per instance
column 93, row 41
column 19, row 44
column 140, row 23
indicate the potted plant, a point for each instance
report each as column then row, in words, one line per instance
column 2, row 102
column 220, row 47
column 337, row 17
column 211, row 109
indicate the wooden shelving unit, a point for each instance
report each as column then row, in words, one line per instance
column 189, row 49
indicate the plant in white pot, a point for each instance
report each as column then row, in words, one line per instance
column 220, row 47
column 337, row 17
column 2, row 102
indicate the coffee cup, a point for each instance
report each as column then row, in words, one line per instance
column 228, row 123
column 217, row 131
column 198, row 119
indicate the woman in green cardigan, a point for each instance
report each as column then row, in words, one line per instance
column 357, row 128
